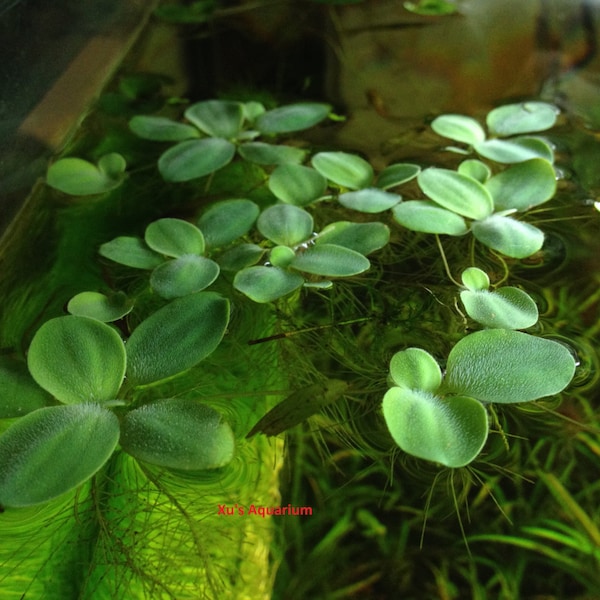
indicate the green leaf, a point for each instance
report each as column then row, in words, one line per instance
column 330, row 260
column 99, row 306
column 369, row 200
column 293, row 117
column 475, row 279
column 265, row 284
column 428, row 217
column 361, row 237
column 431, row 7
column 53, row 450
column 475, row 169
column 507, row 235
column 19, row 393
column 508, row 308
column 217, row 118
column 281, row 256
column 132, row 252
column 347, row 170
column 79, row 177
column 297, row 184
column 227, row 220
column 183, row 275
column 77, row 359
column 415, row 369
column 397, row 174
column 525, row 117
column 176, row 337
column 456, row 192
column 178, row 434
column 459, row 128
column 501, row 365
column 240, row 257
column 285, row 224
column 195, row 158
column 161, row 129
column 449, row 431
column 524, row 185
column 515, row 150
column 270, row 154
column 174, row 237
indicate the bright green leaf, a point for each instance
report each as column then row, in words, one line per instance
column 515, row 150
column 507, row 235
column 285, row 224
column 456, row 192
column 361, row 237
column 53, row 450
column 217, row 118
column 100, row 306
column 195, row 158
column 174, row 237
column 227, row 220
column 176, row 337
column 397, row 174
column 459, row 128
column 179, row 434
column 524, row 117
column 347, row 170
column 449, row 431
column 501, row 365
column 184, row 275
column 428, row 217
column 271, row 154
column 369, row 200
column 330, row 260
column 297, row 184
column 415, row 369
column 265, row 284
column 523, row 185
column 475, row 169
column 132, row 252
column 161, row 129
column 281, row 256
column 77, row 359
column 475, row 279
column 293, row 117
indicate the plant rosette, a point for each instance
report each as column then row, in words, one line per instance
column 443, row 418
column 82, row 362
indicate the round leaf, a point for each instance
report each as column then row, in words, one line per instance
column 524, row 185
column 183, row 275
column 415, row 369
column 99, row 306
column 176, row 337
column 281, row 256
column 456, row 192
column 195, row 158
column 475, row 279
column 217, row 118
column 77, row 359
column 285, row 224
column 297, row 184
column 293, row 117
column 270, row 154
column 475, row 169
column 449, row 431
column 79, row 177
column 178, row 434
column 508, row 308
column 397, row 174
column 227, row 220
column 515, row 150
column 459, row 128
column 330, row 260
column 501, row 365
column 265, row 284
column 347, row 170
column 132, row 252
column 428, row 217
column 53, row 450
column 19, row 393
column 361, row 237
column 240, row 257
column 509, row 236
column 525, row 117
column 174, row 237
column 161, row 129
column 369, row 200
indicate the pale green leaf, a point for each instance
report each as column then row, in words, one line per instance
column 285, row 224
column 227, row 220
column 342, row 168
column 217, row 118
column 459, row 128
column 100, row 306
column 330, row 260
column 174, row 237
column 293, row 117
column 509, row 236
column 297, row 184
column 415, row 369
column 265, row 284
column 369, row 200
column 524, row 117
column 184, row 275
column 132, row 252
column 428, row 217
column 161, row 129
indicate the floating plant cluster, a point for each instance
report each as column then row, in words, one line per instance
column 89, row 366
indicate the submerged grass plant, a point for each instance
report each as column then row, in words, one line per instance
column 418, row 376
